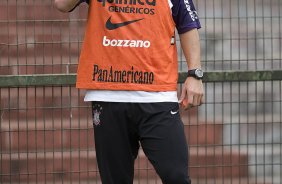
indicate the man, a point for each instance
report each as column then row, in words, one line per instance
column 128, row 65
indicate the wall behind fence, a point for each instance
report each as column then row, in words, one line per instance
column 46, row 131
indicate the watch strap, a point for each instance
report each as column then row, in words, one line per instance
column 192, row 73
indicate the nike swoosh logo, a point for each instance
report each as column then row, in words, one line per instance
column 112, row 26
column 173, row 112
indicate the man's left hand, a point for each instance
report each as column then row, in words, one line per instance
column 192, row 93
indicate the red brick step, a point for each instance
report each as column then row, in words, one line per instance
column 72, row 165
column 77, row 133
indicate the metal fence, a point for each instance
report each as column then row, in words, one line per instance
column 46, row 133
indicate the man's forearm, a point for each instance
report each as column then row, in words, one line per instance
column 190, row 43
column 65, row 5
column 192, row 91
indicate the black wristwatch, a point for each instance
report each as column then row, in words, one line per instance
column 196, row 73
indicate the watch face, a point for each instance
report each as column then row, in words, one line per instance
column 199, row 73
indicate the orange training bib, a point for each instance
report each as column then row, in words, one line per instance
column 129, row 45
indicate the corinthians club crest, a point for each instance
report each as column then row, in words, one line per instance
column 97, row 110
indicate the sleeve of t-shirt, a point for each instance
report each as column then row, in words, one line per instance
column 184, row 15
column 81, row 1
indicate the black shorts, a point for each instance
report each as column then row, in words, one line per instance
column 120, row 128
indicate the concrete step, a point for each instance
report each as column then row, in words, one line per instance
column 50, row 166
column 158, row 181
column 203, row 133
column 35, row 11
column 32, row 69
column 233, row 180
column 72, row 165
column 50, row 98
column 34, row 53
column 46, row 109
column 48, row 140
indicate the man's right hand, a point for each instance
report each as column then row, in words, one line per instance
column 65, row 5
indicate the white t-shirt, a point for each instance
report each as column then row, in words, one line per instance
column 130, row 96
